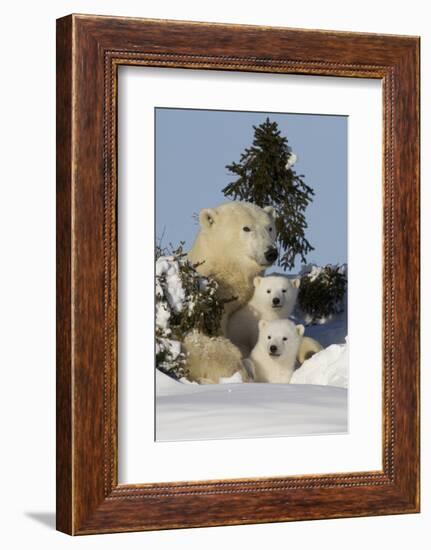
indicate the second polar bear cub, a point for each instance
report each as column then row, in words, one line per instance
column 274, row 297
column 274, row 356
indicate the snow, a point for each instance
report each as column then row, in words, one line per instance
column 170, row 289
column 326, row 368
column 330, row 366
column 224, row 411
column 162, row 317
column 234, row 379
column 167, row 268
column 315, row 402
column 313, row 270
column 173, row 347
column 293, row 159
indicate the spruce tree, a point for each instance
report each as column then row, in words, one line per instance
column 265, row 177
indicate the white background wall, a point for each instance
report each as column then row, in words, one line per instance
column 27, row 308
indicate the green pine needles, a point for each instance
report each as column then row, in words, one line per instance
column 321, row 292
column 265, row 177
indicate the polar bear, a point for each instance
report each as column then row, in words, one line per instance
column 274, row 356
column 274, row 297
column 235, row 243
column 309, row 346
column 210, row 358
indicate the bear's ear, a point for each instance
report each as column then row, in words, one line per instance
column 300, row 329
column 262, row 324
column 296, row 282
column 207, row 217
column 271, row 211
column 256, row 281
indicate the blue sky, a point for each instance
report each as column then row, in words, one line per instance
column 194, row 146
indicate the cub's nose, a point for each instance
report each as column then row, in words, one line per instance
column 273, row 348
column 276, row 301
column 271, row 255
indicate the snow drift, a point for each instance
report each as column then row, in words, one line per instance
column 223, row 411
column 326, row 368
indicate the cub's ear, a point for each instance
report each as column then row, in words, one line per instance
column 300, row 329
column 262, row 324
column 296, row 282
column 271, row 211
column 256, row 281
column 207, row 217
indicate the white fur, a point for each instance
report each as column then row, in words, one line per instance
column 308, row 347
column 274, row 356
column 274, row 298
column 230, row 254
column 210, row 359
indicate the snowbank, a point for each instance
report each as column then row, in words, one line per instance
column 315, row 402
column 326, row 368
column 311, row 404
column 223, row 411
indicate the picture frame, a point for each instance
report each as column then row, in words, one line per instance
column 89, row 51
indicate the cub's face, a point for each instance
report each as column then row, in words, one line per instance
column 242, row 231
column 276, row 292
column 279, row 337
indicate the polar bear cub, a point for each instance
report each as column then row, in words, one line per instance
column 274, row 298
column 274, row 356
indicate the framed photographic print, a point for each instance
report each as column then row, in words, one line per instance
column 237, row 274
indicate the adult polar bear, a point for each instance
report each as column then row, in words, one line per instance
column 235, row 243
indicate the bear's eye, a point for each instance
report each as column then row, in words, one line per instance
column 284, row 290
column 270, row 229
column 246, row 229
column 268, row 291
column 269, row 337
column 284, row 338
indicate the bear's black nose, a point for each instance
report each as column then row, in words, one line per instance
column 271, row 255
column 273, row 348
column 276, row 301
